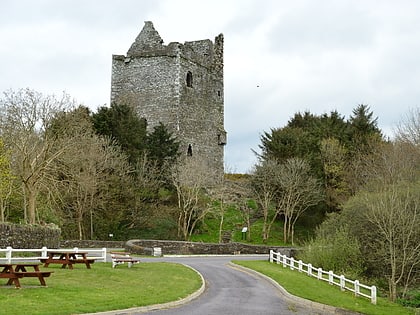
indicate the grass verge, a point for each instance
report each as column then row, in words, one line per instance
column 301, row 285
column 101, row 288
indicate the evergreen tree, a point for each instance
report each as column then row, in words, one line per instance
column 362, row 127
column 122, row 124
column 162, row 147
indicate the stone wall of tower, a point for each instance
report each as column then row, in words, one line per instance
column 180, row 85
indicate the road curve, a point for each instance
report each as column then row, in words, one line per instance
column 229, row 291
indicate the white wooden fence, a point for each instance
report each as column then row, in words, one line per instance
column 17, row 254
column 333, row 279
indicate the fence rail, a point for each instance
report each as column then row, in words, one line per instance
column 19, row 254
column 354, row 286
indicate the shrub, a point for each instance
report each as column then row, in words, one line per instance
column 339, row 252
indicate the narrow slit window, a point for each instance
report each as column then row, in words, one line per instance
column 189, row 79
column 189, row 150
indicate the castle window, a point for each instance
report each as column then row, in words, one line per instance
column 222, row 138
column 189, row 79
column 189, row 150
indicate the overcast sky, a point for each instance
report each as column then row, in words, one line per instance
column 281, row 56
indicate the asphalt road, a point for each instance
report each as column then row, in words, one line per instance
column 229, row 291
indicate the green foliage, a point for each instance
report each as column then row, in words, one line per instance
column 412, row 299
column 330, row 144
column 121, row 123
column 362, row 126
column 162, row 147
column 339, row 252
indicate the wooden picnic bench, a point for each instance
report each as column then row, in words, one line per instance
column 67, row 258
column 14, row 272
column 119, row 258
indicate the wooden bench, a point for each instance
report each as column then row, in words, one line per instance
column 119, row 258
column 38, row 274
column 14, row 272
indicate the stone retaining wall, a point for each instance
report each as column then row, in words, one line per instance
column 29, row 236
column 91, row 244
column 193, row 248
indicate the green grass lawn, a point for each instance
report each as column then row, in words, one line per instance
column 101, row 288
column 300, row 284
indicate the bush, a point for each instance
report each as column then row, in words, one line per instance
column 412, row 299
column 339, row 252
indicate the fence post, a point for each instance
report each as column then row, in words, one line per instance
column 319, row 274
column 271, row 255
column 342, row 283
column 76, row 249
column 356, row 287
column 104, row 253
column 284, row 260
column 278, row 257
column 292, row 263
column 44, row 251
column 300, row 265
column 373, row 295
column 9, row 254
column 309, row 269
column 331, row 277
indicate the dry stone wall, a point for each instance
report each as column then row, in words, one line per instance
column 29, row 236
column 196, row 248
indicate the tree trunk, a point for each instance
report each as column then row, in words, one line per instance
column 285, row 229
column 392, row 290
column 31, row 195
column 221, row 226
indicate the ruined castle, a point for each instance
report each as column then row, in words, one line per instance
column 180, row 85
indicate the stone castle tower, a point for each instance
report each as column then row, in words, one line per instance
column 180, row 85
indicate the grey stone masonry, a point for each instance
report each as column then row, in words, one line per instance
column 180, row 85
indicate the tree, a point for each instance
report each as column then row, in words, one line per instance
column 408, row 130
column 333, row 157
column 189, row 181
column 25, row 117
column 298, row 191
column 362, row 128
column 162, row 146
column 264, row 186
column 89, row 181
column 394, row 212
column 122, row 124
column 6, row 180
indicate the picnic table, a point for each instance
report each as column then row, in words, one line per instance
column 14, row 272
column 67, row 258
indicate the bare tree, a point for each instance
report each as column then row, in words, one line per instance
column 189, row 179
column 284, row 188
column 394, row 212
column 408, row 130
column 6, row 180
column 83, row 178
column 264, row 186
column 25, row 118
column 298, row 191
